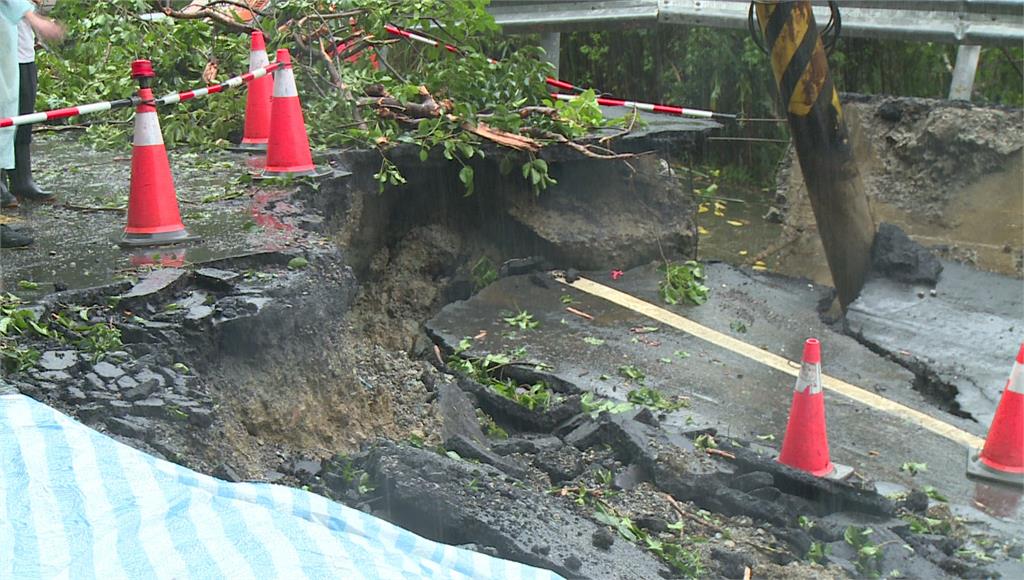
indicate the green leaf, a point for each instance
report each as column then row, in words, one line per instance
column 297, row 263
column 466, row 177
column 934, row 494
column 914, row 468
column 28, row 285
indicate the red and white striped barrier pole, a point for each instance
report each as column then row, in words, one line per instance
column 396, row 31
column 608, row 102
column 134, row 101
column 650, row 107
column 67, row 112
column 231, row 83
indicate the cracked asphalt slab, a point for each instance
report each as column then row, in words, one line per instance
column 966, row 330
column 728, row 391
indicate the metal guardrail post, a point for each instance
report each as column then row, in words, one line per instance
column 551, row 42
column 822, row 142
column 962, row 86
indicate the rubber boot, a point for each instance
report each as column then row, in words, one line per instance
column 6, row 199
column 22, row 185
column 12, row 238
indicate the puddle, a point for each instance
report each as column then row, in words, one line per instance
column 985, row 229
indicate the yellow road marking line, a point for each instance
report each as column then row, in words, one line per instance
column 774, row 361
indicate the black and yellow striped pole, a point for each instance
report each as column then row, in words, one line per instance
column 821, row 140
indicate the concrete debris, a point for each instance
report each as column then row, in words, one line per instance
column 155, row 282
column 896, row 256
column 455, row 501
column 58, row 360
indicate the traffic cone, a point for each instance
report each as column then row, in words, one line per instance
column 288, row 145
column 257, row 100
column 153, row 216
column 805, row 445
column 1002, row 457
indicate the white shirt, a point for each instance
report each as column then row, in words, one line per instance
column 26, row 42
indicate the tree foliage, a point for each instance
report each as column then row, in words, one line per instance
column 699, row 67
column 723, row 70
column 331, row 44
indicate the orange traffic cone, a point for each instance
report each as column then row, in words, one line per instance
column 805, row 445
column 288, row 145
column 153, row 215
column 257, row 100
column 1002, row 457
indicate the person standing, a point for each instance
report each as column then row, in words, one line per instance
column 12, row 12
column 21, row 183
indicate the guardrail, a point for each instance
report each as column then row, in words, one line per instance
column 981, row 22
column 967, row 23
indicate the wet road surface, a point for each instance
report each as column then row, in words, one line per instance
column 76, row 245
column 731, row 392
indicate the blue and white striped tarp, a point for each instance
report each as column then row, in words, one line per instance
column 74, row 503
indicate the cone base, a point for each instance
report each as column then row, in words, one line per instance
column 977, row 468
column 244, row 147
column 833, row 471
column 316, row 171
column 160, row 239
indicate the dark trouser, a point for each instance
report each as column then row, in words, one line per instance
column 29, row 79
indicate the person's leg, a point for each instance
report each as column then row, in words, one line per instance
column 6, row 199
column 22, row 184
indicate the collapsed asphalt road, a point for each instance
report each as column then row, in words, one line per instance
column 271, row 369
column 727, row 391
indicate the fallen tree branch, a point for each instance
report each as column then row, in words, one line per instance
column 584, row 150
column 215, row 16
column 511, row 140
column 692, row 517
column 91, row 208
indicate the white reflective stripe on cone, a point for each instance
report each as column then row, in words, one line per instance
column 1015, row 383
column 809, row 379
column 258, row 59
column 147, row 130
column 284, row 83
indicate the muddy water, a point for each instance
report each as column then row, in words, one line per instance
column 984, row 227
